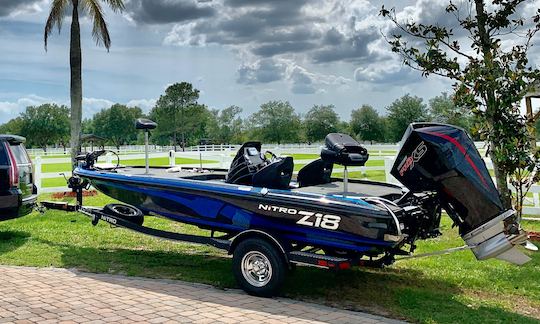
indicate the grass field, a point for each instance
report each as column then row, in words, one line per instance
column 66, row 167
column 59, row 156
column 63, row 167
column 444, row 289
column 60, row 181
column 380, row 163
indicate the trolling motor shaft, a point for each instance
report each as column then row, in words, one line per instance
column 146, row 125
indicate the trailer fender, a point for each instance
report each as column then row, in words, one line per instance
column 259, row 234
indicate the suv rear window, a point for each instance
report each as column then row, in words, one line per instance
column 3, row 154
column 19, row 152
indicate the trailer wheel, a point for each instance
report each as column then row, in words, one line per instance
column 125, row 212
column 259, row 268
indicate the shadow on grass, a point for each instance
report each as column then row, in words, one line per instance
column 12, row 240
column 405, row 294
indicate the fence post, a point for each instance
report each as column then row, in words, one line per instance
column 388, row 163
column 37, row 172
column 222, row 161
column 277, row 150
column 172, row 158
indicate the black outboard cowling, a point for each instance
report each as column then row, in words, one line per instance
column 443, row 158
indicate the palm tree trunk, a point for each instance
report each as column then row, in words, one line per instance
column 75, row 62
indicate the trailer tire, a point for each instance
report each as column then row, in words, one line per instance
column 259, row 267
column 125, row 212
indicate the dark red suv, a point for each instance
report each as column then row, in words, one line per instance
column 18, row 194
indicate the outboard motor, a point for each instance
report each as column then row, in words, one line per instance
column 443, row 158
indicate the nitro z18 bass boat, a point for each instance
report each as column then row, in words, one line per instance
column 273, row 220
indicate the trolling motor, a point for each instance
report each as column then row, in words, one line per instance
column 146, row 125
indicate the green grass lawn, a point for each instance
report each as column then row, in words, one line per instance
column 297, row 166
column 63, row 167
column 375, row 175
column 53, row 182
column 444, row 289
column 50, row 156
column 302, row 156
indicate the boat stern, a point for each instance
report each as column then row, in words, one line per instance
column 443, row 159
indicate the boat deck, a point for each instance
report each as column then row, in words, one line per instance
column 355, row 187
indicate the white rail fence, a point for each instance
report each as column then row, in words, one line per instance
column 222, row 156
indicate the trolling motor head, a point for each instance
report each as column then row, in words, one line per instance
column 444, row 159
column 89, row 159
column 146, row 125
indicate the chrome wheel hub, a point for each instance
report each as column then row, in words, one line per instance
column 256, row 269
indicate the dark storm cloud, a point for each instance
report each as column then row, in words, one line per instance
column 8, row 6
column 270, row 31
column 168, row 11
column 263, row 71
column 257, row 3
column 338, row 47
column 268, row 28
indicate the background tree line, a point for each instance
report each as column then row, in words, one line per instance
column 183, row 121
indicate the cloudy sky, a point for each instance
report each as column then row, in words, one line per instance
column 237, row 52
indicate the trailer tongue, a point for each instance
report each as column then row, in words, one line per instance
column 443, row 158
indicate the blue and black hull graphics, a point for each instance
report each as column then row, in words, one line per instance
column 295, row 217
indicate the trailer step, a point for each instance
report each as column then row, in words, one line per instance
column 319, row 260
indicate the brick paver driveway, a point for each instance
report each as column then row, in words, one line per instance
column 56, row 295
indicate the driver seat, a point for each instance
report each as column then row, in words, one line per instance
column 251, row 167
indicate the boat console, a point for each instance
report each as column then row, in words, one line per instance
column 251, row 167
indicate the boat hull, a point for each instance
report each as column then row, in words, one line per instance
column 296, row 218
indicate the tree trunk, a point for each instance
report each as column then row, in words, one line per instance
column 182, row 129
column 75, row 62
column 492, row 105
column 502, row 184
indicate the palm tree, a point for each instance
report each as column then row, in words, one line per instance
column 100, row 33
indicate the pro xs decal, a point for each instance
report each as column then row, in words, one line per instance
column 312, row 219
column 408, row 162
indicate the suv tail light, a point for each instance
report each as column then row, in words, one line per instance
column 13, row 168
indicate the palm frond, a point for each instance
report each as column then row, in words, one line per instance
column 116, row 5
column 55, row 18
column 100, row 32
